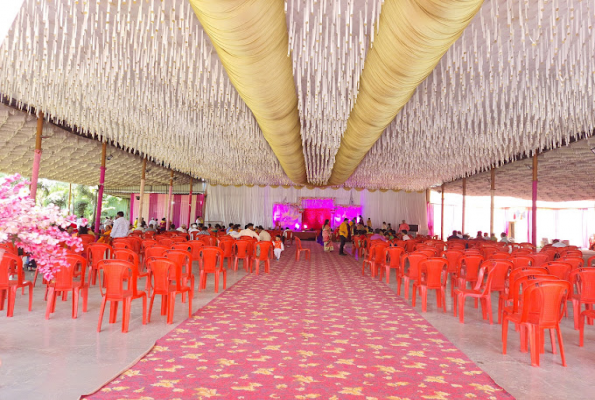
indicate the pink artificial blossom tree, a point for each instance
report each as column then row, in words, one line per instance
column 34, row 229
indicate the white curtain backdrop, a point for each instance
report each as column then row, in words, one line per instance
column 244, row 204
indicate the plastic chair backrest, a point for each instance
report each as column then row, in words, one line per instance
column 121, row 245
column 394, row 255
column 471, row 263
column 178, row 239
column 98, row 252
column 241, row 248
column 165, row 271
column 584, row 278
column 265, row 250
column 453, row 257
column 576, row 262
column 558, row 268
column 380, row 253
column 87, row 238
column 545, row 299
column 127, row 255
column 166, row 242
column 414, row 260
column 64, row 277
column 183, row 258
column 182, row 246
column 10, row 264
column 227, row 246
column 115, row 272
column 521, row 261
column 436, row 269
column 155, row 251
column 499, row 256
column 498, row 272
column 211, row 256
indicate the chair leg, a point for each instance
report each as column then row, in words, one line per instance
column 504, row 334
column 461, row 308
column 581, row 328
column 150, row 308
column 561, row 344
column 224, row 280
column 113, row 311
column 126, row 314
column 75, row 303
column 190, row 301
column 576, row 310
column 12, row 295
column 171, row 302
column 424, row 298
column 30, row 297
column 48, row 308
column 145, row 309
column 164, row 299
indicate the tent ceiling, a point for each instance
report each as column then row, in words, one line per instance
column 145, row 75
column 69, row 158
column 564, row 174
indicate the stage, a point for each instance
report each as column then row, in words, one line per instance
column 306, row 235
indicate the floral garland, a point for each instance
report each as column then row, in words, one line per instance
column 34, row 229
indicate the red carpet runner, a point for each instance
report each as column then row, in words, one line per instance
column 307, row 330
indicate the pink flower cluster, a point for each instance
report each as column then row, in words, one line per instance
column 34, row 229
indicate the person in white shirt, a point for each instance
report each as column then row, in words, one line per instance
column 192, row 228
column 182, row 229
column 235, row 233
column 263, row 235
column 249, row 231
column 79, row 222
column 405, row 235
column 120, row 228
column 558, row 243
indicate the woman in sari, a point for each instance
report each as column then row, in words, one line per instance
column 326, row 236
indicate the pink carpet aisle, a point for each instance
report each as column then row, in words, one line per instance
column 307, row 330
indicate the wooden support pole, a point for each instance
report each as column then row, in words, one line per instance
column 100, row 188
column 169, row 200
column 464, row 199
column 492, row 193
column 189, row 203
column 142, row 193
column 69, row 197
column 36, row 157
column 442, row 215
column 534, row 203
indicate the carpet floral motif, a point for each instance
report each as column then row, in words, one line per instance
column 308, row 330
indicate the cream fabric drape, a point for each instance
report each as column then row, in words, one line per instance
column 244, row 204
column 413, row 36
column 251, row 40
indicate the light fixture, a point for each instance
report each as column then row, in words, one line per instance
column 108, row 158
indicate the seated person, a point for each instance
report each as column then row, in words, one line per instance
column 203, row 230
column 182, row 229
column 405, row 235
column 504, row 238
column 558, row 243
column 453, row 236
column 377, row 236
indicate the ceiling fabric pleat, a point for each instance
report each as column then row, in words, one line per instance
column 413, row 36
column 251, row 41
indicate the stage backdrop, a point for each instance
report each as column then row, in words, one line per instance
column 255, row 204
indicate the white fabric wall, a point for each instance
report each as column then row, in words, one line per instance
column 255, row 204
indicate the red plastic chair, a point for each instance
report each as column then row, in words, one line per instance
column 499, row 256
column 542, row 308
column 521, row 261
column 132, row 257
column 96, row 253
column 539, row 259
column 212, row 263
column 495, row 272
column 12, row 265
column 242, row 252
column 265, row 254
column 195, row 247
column 87, row 238
column 115, row 273
column 121, row 245
column 380, row 259
column 583, row 279
column 300, row 249
column 393, row 257
column 184, row 247
column 414, row 259
column 65, row 280
column 227, row 246
column 179, row 239
column 155, row 251
column 558, row 268
column 207, row 240
column 167, row 282
column 453, row 258
column 581, row 327
column 433, row 273
column 468, row 270
column 576, row 262
column 183, row 258
column 590, row 262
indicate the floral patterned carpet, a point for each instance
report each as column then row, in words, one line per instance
column 308, row 330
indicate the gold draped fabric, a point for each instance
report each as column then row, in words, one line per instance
column 413, row 36
column 251, row 40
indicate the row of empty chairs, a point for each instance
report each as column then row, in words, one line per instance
column 529, row 285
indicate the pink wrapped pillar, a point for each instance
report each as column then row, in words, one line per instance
column 189, row 204
column 36, row 157
column 169, row 200
column 100, row 189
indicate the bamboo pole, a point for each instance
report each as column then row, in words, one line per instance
column 36, row 157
